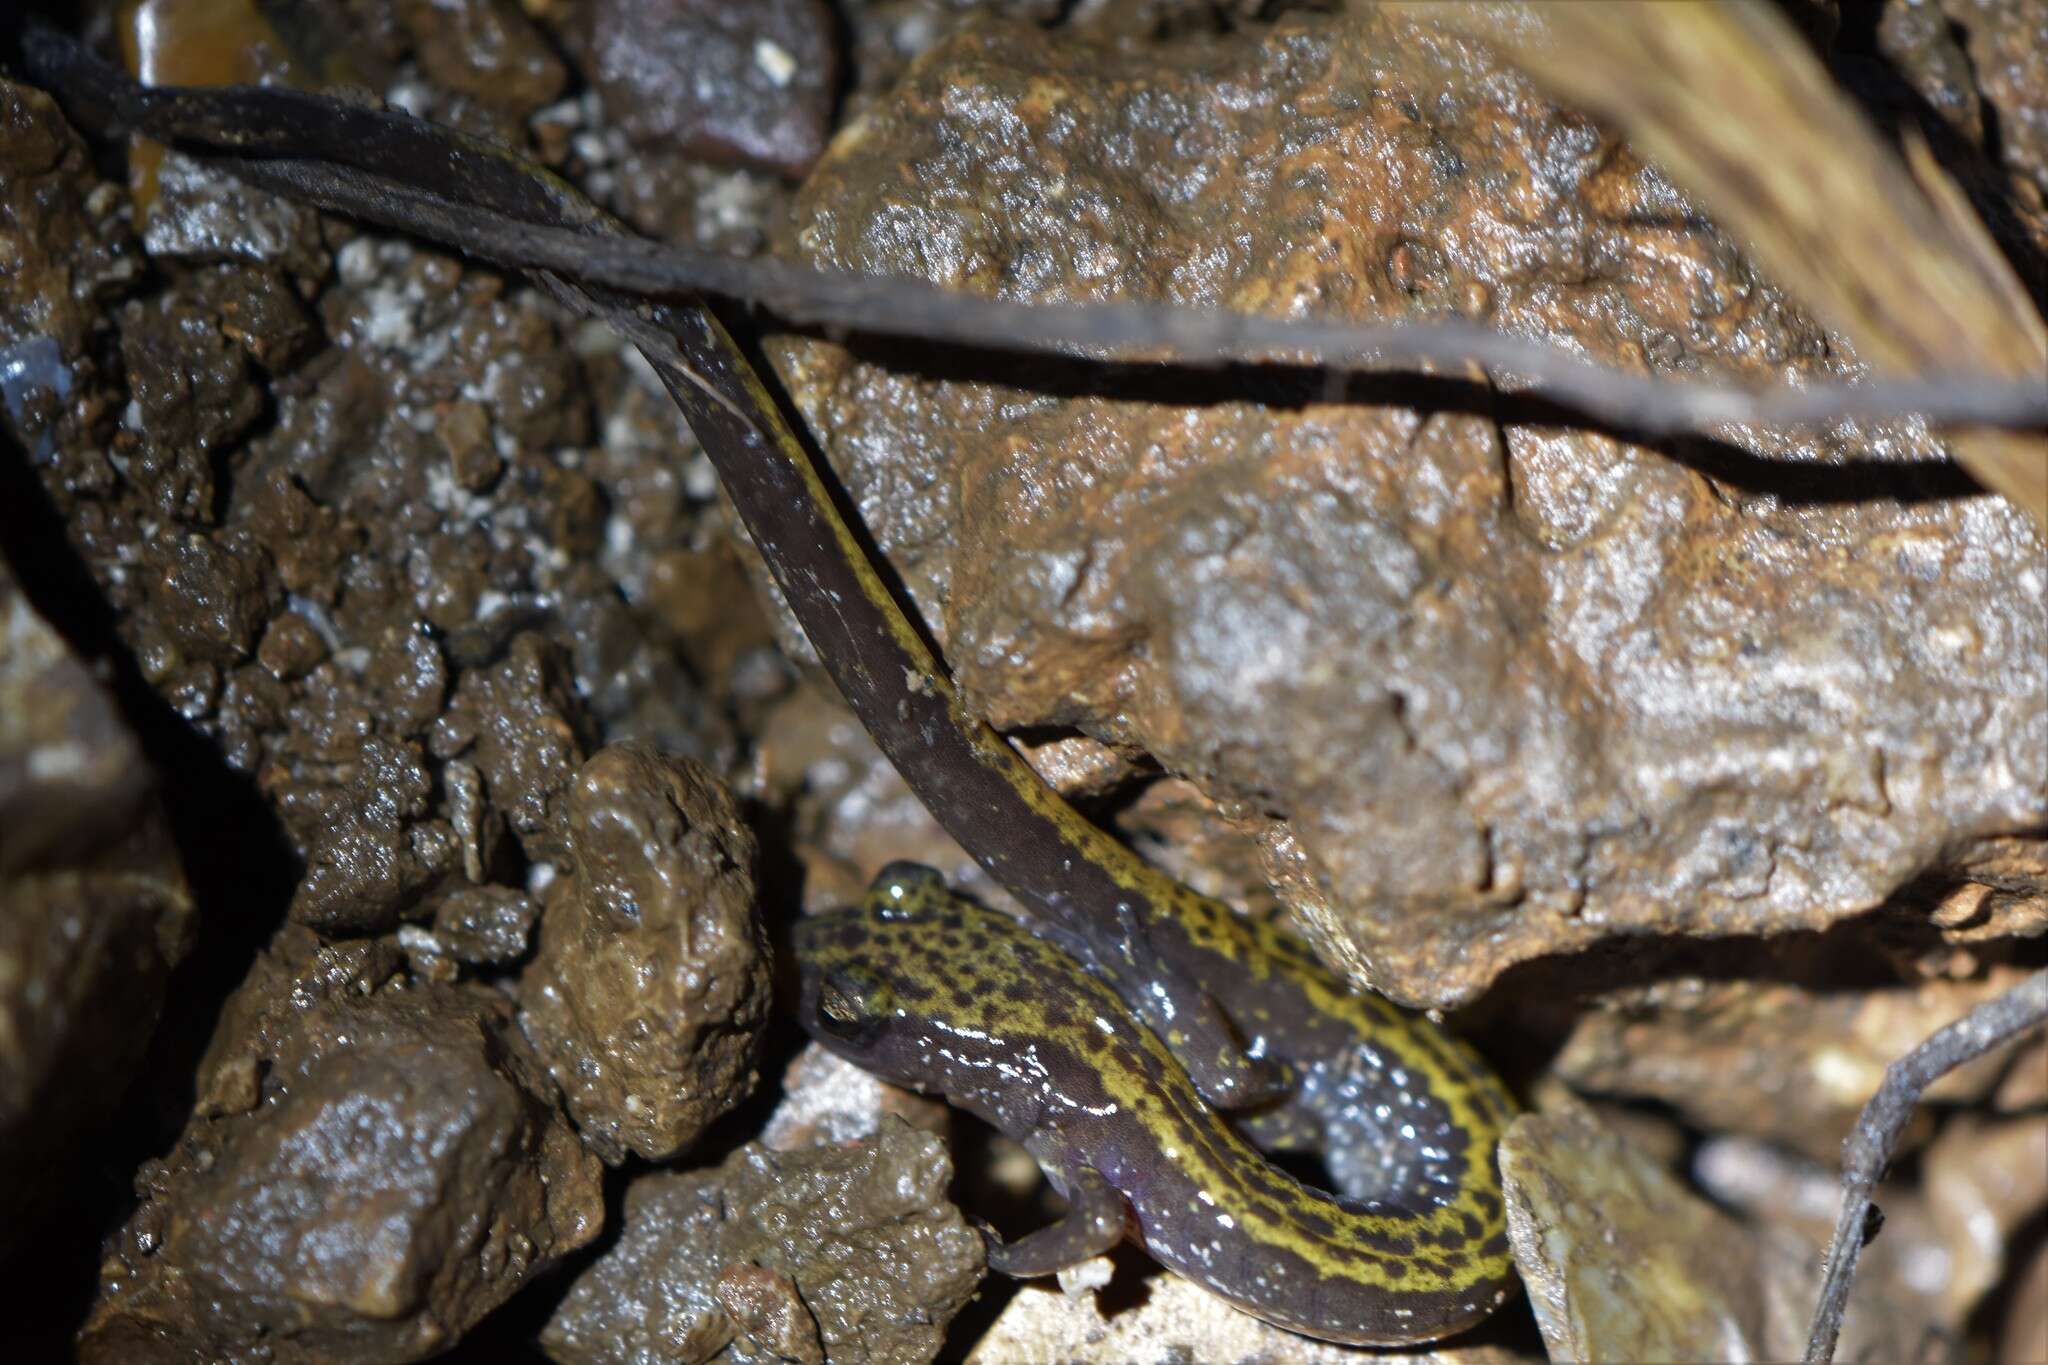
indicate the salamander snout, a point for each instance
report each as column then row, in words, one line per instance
column 845, row 1003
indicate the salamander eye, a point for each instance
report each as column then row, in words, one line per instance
column 848, row 1006
column 901, row 887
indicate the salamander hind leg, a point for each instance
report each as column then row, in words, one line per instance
column 1096, row 1218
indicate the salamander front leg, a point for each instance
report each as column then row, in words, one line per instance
column 1177, row 1010
column 1095, row 1220
column 1200, row 1037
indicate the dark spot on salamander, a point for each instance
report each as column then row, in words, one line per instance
column 1313, row 1223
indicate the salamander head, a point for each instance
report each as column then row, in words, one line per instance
column 912, row 982
column 869, row 986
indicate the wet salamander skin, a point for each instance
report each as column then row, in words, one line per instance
column 1405, row 1115
column 932, row 991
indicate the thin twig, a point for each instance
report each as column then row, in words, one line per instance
column 316, row 145
column 1884, row 1119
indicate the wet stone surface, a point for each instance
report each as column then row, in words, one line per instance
column 374, row 1164
column 94, row 913
column 1623, row 1262
column 761, row 84
column 843, row 1253
column 649, row 990
column 1510, row 688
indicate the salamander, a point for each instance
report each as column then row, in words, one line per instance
column 932, row 991
column 1254, row 1020
column 1249, row 1019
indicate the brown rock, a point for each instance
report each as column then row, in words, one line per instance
column 1511, row 688
column 862, row 1235
column 373, row 852
column 1622, row 1262
column 94, row 913
column 199, row 213
column 852, row 812
column 1984, row 1180
column 402, row 1171
column 210, row 594
column 750, row 84
column 650, row 988
column 2007, row 41
column 487, row 50
column 519, row 722
column 2025, row 1336
column 1770, row 1059
column 828, row 1101
column 484, row 924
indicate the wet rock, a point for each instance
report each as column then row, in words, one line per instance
column 211, row 595
column 846, row 1253
column 486, row 50
column 1622, row 1262
column 2007, row 41
column 650, row 988
column 519, row 722
column 747, row 84
column 1173, row 1321
column 94, row 912
column 852, row 812
column 198, row 214
column 2025, row 1334
column 374, row 851
column 191, row 395
column 484, row 924
column 1773, row 1060
column 1510, row 688
column 828, row 1101
column 59, row 257
column 259, row 311
column 375, row 1164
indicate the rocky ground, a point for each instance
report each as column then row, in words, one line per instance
column 407, row 774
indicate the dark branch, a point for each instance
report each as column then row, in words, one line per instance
column 402, row 173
